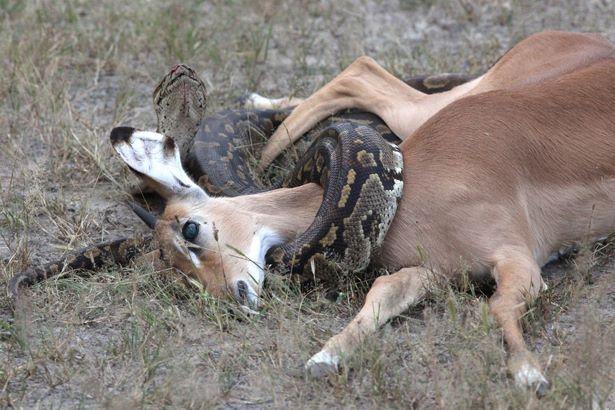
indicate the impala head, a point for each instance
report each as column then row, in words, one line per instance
column 210, row 239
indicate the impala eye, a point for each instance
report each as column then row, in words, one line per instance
column 190, row 230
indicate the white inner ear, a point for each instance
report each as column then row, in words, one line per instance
column 145, row 153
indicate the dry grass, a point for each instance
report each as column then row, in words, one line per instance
column 125, row 338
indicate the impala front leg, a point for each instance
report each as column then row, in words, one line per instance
column 518, row 283
column 388, row 297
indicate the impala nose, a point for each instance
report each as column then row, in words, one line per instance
column 242, row 290
column 245, row 295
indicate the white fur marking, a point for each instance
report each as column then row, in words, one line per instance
column 263, row 103
column 323, row 357
column 182, row 249
column 248, row 311
column 529, row 376
column 262, row 241
column 194, row 259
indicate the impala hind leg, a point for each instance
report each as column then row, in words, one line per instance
column 518, row 282
column 427, row 84
column 367, row 86
column 388, row 297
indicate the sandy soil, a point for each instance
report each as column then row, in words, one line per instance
column 126, row 338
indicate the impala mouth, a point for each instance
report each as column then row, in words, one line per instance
column 246, row 296
column 244, row 291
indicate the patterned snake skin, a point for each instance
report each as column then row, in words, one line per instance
column 119, row 252
column 361, row 174
column 218, row 156
column 352, row 157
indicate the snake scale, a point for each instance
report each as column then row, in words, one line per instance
column 353, row 156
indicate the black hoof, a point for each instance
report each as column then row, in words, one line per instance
column 541, row 389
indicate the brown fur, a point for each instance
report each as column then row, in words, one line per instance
column 536, row 164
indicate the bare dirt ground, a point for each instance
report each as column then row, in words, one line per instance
column 132, row 337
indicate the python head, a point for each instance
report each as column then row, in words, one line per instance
column 214, row 240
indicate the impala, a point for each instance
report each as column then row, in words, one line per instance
column 499, row 173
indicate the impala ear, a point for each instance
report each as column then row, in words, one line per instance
column 155, row 159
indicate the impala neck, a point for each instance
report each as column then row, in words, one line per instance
column 286, row 212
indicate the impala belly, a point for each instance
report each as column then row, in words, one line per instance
column 497, row 179
column 565, row 216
